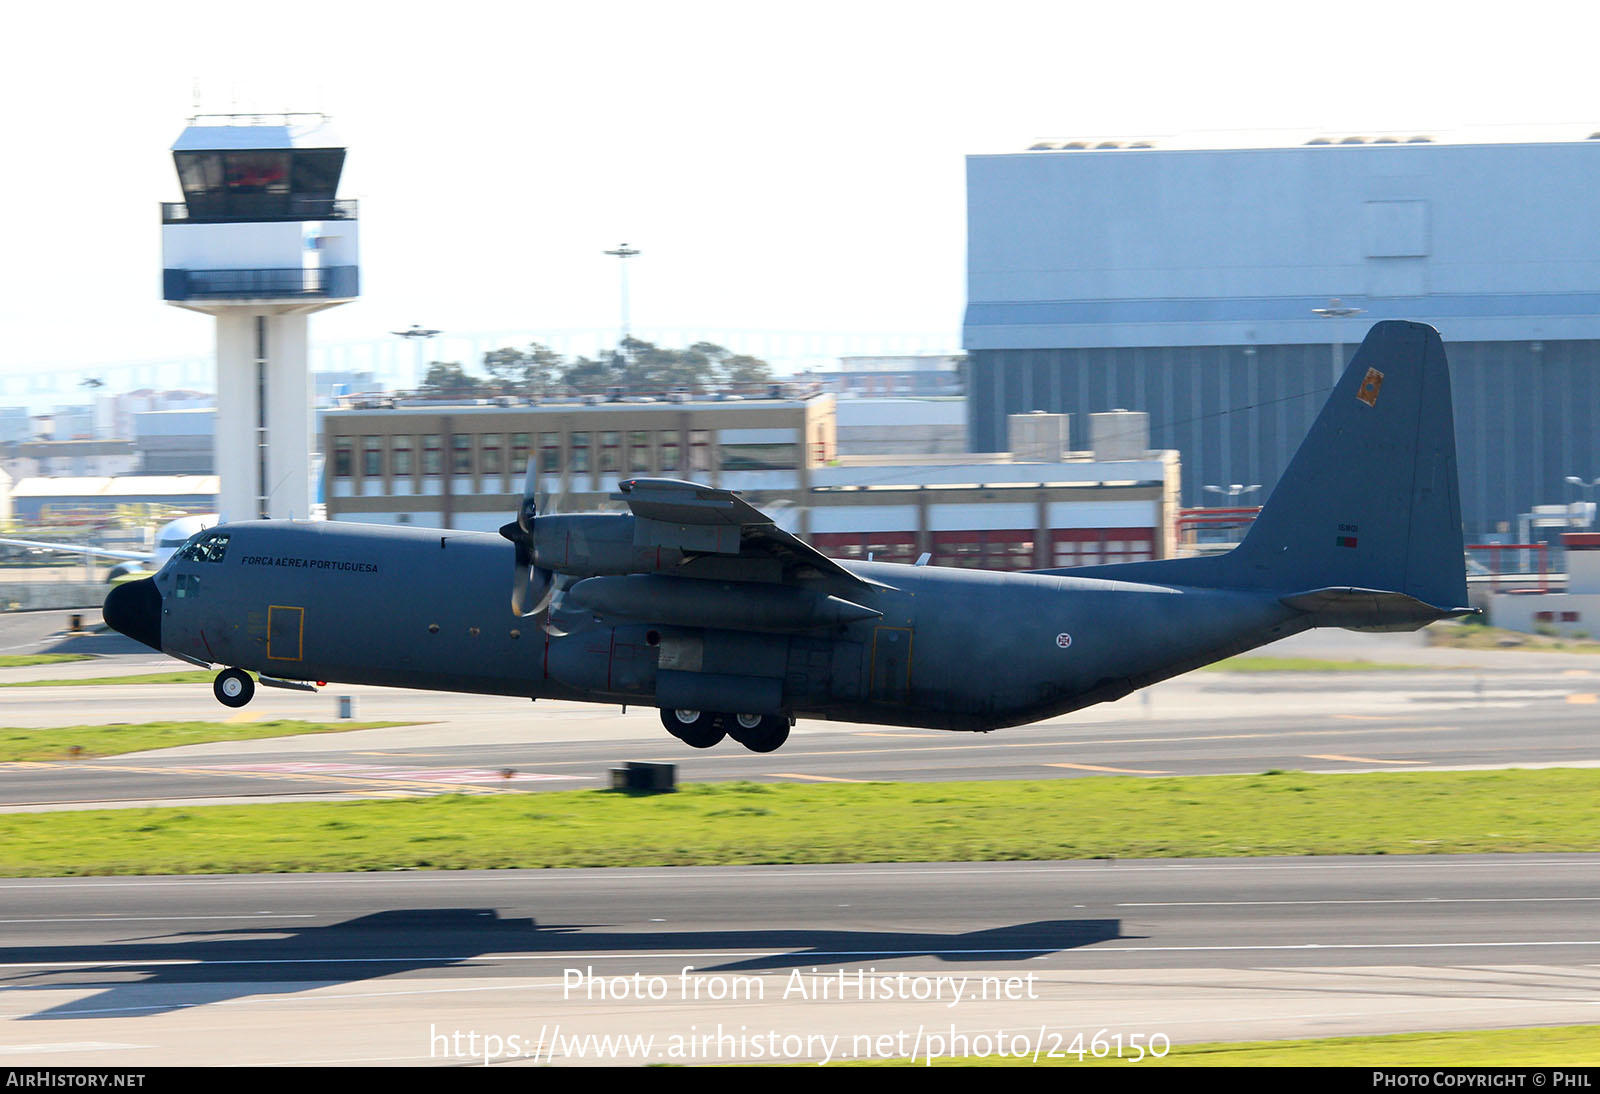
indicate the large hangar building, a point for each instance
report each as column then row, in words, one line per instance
column 1213, row 288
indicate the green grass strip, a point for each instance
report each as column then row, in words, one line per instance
column 1477, row 636
column 1290, row 813
column 185, row 676
column 1558, row 1046
column 1304, row 664
column 23, row 660
column 87, row 742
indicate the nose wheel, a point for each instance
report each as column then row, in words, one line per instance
column 233, row 688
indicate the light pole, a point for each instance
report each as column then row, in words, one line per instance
column 1587, row 487
column 1233, row 490
column 1336, row 310
column 622, row 254
column 420, row 335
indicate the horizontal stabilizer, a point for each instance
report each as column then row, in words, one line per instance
column 1369, row 609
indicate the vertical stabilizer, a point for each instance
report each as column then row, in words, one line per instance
column 1370, row 500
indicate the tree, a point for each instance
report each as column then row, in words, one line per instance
column 726, row 367
column 448, row 380
column 741, row 368
column 585, row 375
column 530, row 372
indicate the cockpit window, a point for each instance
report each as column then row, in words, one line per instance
column 206, row 547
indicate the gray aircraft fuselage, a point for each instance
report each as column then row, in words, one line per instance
column 697, row 603
column 953, row 648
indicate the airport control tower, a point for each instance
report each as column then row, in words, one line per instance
column 260, row 242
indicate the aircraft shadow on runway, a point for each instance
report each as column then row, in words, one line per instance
column 220, row 965
column 106, row 643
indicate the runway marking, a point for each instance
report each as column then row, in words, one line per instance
column 242, row 718
column 1055, row 742
column 814, row 778
column 1369, row 717
column 394, row 773
column 1385, row 864
column 1576, row 672
column 162, row 918
column 1397, row 900
column 1065, row 948
column 67, row 1046
column 1363, row 760
column 420, row 780
column 1583, row 697
column 1069, row 742
column 1113, row 770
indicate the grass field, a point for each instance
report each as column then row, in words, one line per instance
column 24, row 660
column 87, row 742
column 1288, row 813
column 1558, row 1046
column 1304, row 664
column 1476, row 636
column 183, row 676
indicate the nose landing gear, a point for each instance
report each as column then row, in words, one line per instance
column 233, row 688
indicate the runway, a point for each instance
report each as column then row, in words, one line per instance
column 360, row 969
column 1459, row 711
column 817, row 963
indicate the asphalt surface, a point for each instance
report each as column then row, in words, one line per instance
column 1462, row 710
column 814, row 963
column 350, row 969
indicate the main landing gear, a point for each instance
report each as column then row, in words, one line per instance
column 706, row 728
column 233, row 687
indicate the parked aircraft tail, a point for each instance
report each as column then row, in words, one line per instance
column 1364, row 527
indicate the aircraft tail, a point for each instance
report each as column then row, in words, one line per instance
column 1364, row 527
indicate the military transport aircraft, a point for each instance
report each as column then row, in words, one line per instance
column 171, row 536
column 697, row 603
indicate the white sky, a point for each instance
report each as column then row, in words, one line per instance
column 782, row 166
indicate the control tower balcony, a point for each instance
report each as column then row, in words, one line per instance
column 321, row 283
column 294, row 207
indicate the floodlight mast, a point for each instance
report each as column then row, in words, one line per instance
column 622, row 253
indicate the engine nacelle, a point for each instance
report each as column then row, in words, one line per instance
column 587, row 544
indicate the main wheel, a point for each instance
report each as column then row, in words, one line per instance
column 759, row 732
column 233, row 688
column 695, row 728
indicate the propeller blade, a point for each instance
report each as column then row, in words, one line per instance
column 529, row 508
column 553, row 607
column 530, row 582
column 521, row 579
column 546, row 595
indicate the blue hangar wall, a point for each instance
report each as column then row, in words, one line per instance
column 1183, row 282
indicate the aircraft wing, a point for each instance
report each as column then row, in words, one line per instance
column 79, row 549
column 704, row 519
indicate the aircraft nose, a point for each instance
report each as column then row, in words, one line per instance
column 134, row 608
